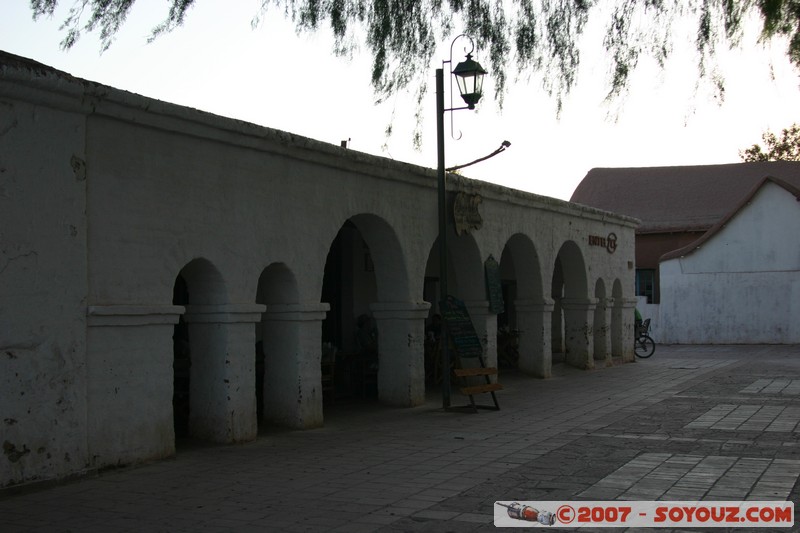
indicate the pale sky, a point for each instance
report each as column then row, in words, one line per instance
column 272, row 77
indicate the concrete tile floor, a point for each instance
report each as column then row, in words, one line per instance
column 692, row 422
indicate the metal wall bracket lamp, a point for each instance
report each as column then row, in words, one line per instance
column 500, row 150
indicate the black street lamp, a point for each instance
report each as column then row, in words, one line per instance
column 469, row 77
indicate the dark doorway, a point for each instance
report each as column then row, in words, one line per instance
column 349, row 333
column 181, row 365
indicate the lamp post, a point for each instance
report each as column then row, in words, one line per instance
column 469, row 77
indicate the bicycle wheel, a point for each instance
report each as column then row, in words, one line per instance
column 644, row 347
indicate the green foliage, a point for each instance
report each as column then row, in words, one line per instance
column 782, row 17
column 105, row 15
column 541, row 37
column 785, row 148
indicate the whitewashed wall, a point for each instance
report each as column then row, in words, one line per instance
column 43, row 288
column 105, row 197
column 742, row 285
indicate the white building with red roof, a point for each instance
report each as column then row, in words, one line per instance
column 717, row 251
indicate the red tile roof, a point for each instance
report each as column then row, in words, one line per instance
column 686, row 250
column 678, row 198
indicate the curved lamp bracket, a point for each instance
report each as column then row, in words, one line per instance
column 469, row 78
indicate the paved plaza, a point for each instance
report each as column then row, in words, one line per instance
column 691, row 423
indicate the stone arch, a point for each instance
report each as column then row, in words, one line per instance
column 200, row 351
column 571, row 290
column 277, row 344
column 465, row 257
column 349, row 286
column 520, row 250
column 574, row 271
column 465, row 281
column 366, row 274
column 387, row 256
column 527, row 310
column 277, row 285
column 181, row 364
column 204, row 282
column 464, row 270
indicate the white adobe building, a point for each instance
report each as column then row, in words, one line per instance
column 133, row 229
column 740, row 282
column 717, row 254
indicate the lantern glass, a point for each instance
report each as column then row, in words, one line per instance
column 469, row 77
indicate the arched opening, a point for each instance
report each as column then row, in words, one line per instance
column 349, row 287
column 465, row 281
column 199, row 351
column 275, row 339
column 507, row 327
column 573, row 311
column 520, row 343
column 365, row 268
column 181, row 365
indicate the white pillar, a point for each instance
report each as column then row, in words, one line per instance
column 578, row 319
column 401, row 352
column 129, row 381
column 557, row 327
column 602, row 331
column 222, row 377
column 622, row 332
column 535, row 336
column 292, row 341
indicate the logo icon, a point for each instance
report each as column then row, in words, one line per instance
column 611, row 243
column 565, row 514
column 527, row 513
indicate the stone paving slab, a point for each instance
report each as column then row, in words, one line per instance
column 654, row 476
column 774, row 386
column 735, row 417
column 641, row 431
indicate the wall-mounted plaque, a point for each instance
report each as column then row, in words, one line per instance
column 465, row 212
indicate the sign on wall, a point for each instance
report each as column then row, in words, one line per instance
column 465, row 212
column 609, row 243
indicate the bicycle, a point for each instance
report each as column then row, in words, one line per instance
column 643, row 344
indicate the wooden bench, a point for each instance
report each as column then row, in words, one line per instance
column 467, row 346
column 471, row 390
